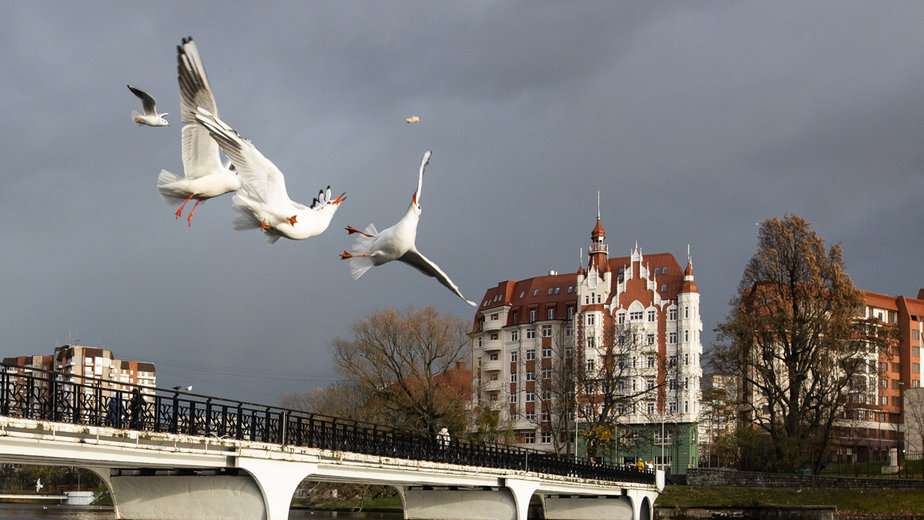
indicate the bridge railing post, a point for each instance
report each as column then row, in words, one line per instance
column 5, row 396
column 239, row 429
column 208, row 416
column 30, row 390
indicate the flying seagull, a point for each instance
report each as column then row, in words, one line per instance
column 412, row 119
column 396, row 243
column 205, row 175
column 150, row 116
column 262, row 200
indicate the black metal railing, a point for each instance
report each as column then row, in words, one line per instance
column 54, row 396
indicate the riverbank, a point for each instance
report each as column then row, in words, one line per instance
column 860, row 502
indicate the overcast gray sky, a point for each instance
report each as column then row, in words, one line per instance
column 695, row 120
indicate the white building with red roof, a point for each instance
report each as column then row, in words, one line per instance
column 641, row 311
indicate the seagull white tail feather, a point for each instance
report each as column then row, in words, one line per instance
column 362, row 245
column 165, row 182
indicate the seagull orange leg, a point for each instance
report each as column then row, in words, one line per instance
column 351, row 230
column 346, row 256
column 264, row 226
column 189, row 217
column 180, row 210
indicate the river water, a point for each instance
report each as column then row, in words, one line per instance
column 31, row 512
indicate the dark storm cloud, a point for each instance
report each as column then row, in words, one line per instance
column 694, row 121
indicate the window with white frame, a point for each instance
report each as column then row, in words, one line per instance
column 531, row 333
column 530, row 354
column 513, row 356
column 546, row 352
column 672, row 313
column 532, row 315
column 621, row 318
column 590, row 319
column 672, row 338
column 650, row 339
column 651, row 316
column 530, row 397
column 530, row 375
column 546, row 331
column 551, row 314
column 529, row 438
column 514, row 335
column 651, row 361
column 635, row 315
column 546, row 437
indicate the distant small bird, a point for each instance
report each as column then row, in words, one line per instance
column 396, row 243
column 412, row 119
column 38, row 485
column 262, row 200
column 205, row 176
column 149, row 105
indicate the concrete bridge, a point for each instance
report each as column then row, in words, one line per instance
column 180, row 456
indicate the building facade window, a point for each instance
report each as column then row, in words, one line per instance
column 546, row 331
column 546, row 352
column 531, row 333
column 513, row 356
column 672, row 338
column 514, row 335
column 530, row 354
column 651, row 316
column 672, row 313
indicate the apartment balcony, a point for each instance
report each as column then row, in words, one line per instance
column 492, row 365
column 493, row 386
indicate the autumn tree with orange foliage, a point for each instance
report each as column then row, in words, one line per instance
column 796, row 337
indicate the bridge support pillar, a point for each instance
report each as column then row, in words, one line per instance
column 167, row 494
column 277, row 482
column 459, row 503
column 557, row 507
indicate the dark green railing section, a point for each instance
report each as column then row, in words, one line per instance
column 53, row 396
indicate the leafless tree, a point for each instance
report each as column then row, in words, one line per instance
column 341, row 399
column 607, row 390
column 914, row 419
column 550, row 377
column 404, row 360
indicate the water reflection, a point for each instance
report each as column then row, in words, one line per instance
column 29, row 512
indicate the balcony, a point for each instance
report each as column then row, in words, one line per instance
column 492, row 365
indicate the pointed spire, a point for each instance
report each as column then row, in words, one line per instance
column 598, row 204
column 689, row 285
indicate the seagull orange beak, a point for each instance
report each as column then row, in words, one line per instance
column 340, row 199
column 292, row 220
column 414, row 198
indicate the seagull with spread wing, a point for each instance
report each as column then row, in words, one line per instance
column 372, row 248
column 150, row 116
column 205, row 176
column 262, row 200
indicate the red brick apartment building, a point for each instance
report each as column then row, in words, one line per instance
column 877, row 422
column 73, row 361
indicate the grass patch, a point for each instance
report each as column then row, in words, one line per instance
column 848, row 501
column 382, row 503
